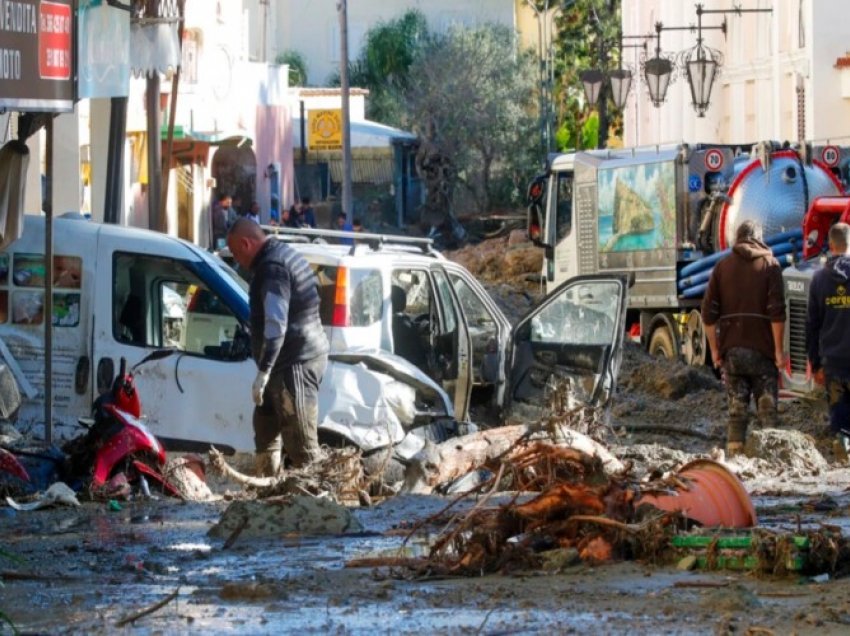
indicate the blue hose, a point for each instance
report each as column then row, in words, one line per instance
column 708, row 261
column 698, row 283
column 790, row 235
column 704, row 263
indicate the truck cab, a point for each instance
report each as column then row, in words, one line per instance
column 822, row 214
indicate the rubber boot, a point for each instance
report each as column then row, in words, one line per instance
column 841, row 448
column 267, row 464
column 734, row 448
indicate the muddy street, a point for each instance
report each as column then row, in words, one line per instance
column 242, row 559
column 92, row 569
column 157, row 566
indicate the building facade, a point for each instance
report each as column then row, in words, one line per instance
column 781, row 76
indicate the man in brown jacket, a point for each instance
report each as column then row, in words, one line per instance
column 744, row 316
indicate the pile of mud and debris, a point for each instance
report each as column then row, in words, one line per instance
column 665, row 413
column 510, row 269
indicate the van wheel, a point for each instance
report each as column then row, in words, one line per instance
column 661, row 343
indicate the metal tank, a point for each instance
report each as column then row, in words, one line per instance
column 775, row 190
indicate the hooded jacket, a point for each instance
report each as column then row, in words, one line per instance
column 828, row 319
column 744, row 296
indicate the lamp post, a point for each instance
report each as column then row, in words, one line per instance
column 618, row 80
column 660, row 71
column 702, row 63
column 545, row 15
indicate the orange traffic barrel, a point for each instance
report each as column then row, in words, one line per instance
column 714, row 497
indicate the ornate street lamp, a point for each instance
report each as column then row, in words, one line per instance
column 592, row 81
column 702, row 64
column 621, row 83
column 620, row 78
column 658, row 73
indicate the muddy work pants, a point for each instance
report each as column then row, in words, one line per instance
column 749, row 373
column 838, row 398
column 289, row 415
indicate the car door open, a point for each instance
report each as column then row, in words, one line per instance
column 574, row 336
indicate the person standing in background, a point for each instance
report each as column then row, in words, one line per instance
column 828, row 335
column 743, row 311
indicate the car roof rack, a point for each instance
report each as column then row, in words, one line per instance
column 375, row 241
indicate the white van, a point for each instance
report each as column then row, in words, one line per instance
column 124, row 293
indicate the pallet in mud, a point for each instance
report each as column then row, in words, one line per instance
column 742, row 552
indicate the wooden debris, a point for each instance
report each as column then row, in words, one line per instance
column 148, row 610
column 339, row 473
column 579, row 506
column 438, row 464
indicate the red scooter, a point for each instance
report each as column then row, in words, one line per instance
column 118, row 451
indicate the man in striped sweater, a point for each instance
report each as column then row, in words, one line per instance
column 288, row 344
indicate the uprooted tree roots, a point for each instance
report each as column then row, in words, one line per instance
column 578, row 508
column 338, row 472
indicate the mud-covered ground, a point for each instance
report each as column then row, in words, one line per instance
column 88, row 569
column 84, row 570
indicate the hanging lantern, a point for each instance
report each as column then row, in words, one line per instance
column 621, row 84
column 702, row 65
column 592, row 82
column 658, row 73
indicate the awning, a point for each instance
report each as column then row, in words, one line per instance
column 214, row 138
column 364, row 134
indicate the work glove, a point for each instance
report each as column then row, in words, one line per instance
column 259, row 386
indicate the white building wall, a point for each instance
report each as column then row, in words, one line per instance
column 312, row 28
column 766, row 55
column 829, row 112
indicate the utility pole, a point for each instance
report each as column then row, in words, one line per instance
column 347, row 199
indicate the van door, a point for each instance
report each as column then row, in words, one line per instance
column 202, row 393
column 572, row 339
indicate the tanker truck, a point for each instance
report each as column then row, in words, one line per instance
column 665, row 215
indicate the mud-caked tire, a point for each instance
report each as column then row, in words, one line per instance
column 661, row 343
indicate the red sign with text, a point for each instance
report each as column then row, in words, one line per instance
column 54, row 41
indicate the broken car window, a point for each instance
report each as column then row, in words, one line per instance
column 580, row 314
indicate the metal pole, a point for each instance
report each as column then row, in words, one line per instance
column 113, row 194
column 303, row 135
column 172, row 114
column 47, row 204
column 154, row 154
column 347, row 199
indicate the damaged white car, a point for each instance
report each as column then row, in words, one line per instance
column 418, row 345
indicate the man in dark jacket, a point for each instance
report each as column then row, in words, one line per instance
column 828, row 333
column 744, row 316
column 288, row 344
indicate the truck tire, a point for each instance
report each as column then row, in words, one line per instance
column 662, row 344
column 695, row 348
